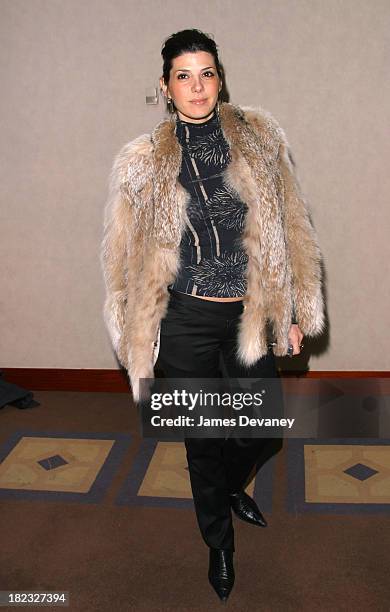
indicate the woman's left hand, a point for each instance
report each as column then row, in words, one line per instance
column 295, row 337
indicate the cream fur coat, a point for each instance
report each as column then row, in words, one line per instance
column 144, row 220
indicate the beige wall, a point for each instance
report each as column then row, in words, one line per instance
column 73, row 75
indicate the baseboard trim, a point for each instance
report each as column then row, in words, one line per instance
column 116, row 381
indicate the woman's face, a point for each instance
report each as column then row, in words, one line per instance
column 193, row 85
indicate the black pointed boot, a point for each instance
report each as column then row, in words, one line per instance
column 221, row 572
column 246, row 509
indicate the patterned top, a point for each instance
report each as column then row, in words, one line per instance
column 213, row 261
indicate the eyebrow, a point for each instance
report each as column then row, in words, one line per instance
column 188, row 70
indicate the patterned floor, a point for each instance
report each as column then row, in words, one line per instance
column 343, row 476
column 74, row 467
column 159, row 477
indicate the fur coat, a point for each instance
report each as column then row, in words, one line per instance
column 144, row 220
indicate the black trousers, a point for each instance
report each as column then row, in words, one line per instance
column 197, row 337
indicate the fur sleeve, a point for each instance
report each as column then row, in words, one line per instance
column 303, row 248
column 128, row 177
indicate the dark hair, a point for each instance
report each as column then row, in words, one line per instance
column 187, row 41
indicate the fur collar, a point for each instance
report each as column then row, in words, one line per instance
column 233, row 119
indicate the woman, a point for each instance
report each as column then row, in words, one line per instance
column 207, row 239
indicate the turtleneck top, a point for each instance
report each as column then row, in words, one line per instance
column 212, row 258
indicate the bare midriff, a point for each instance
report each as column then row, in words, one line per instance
column 217, row 299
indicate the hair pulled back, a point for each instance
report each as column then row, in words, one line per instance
column 187, row 41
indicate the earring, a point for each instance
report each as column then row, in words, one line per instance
column 170, row 104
